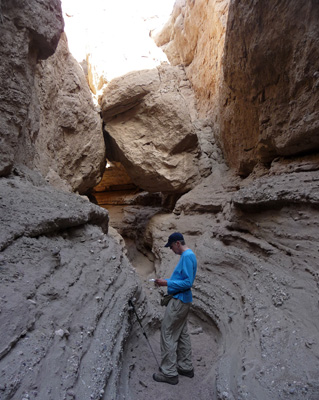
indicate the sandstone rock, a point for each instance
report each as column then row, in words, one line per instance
column 48, row 210
column 211, row 195
column 194, row 37
column 225, row 48
column 280, row 190
column 148, row 118
column 271, row 72
column 24, row 39
column 70, row 143
column 56, row 260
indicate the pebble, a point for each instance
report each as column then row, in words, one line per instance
column 60, row 332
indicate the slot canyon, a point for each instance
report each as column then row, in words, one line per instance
column 213, row 131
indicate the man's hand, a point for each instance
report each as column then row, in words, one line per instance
column 161, row 282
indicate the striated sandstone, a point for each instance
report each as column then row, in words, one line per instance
column 69, row 147
column 65, row 286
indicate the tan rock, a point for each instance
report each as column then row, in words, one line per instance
column 271, row 70
column 148, row 117
column 70, row 140
column 194, row 37
column 257, row 84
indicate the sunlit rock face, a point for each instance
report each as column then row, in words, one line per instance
column 272, row 78
column 69, row 148
column 24, row 39
column 148, row 116
column 258, row 85
column 194, row 37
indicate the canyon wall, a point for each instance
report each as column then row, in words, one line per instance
column 69, row 147
column 253, row 222
column 48, row 120
column 25, row 38
column 65, row 281
column 254, row 71
column 228, row 133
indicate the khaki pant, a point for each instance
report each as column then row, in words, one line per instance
column 175, row 341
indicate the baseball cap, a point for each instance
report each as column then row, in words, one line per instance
column 174, row 237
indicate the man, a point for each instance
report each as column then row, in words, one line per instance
column 176, row 349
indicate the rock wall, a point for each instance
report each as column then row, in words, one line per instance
column 69, row 147
column 48, row 120
column 65, row 277
column 273, row 73
column 257, row 84
column 25, row 38
column 65, row 281
column 194, row 36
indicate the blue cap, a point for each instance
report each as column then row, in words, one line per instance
column 174, row 237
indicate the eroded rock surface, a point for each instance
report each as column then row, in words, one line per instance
column 65, row 283
column 271, row 69
column 28, row 30
column 194, row 36
column 257, row 281
column 64, row 287
column 148, row 116
column 69, row 147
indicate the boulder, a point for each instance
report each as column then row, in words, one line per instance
column 148, row 117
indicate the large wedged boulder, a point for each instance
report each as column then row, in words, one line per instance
column 148, row 116
column 69, row 147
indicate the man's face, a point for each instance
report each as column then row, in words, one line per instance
column 176, row 247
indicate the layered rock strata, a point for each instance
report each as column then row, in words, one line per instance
column 64, row 287
column 257, row 281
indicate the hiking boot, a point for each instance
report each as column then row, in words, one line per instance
column 189, row 374
column 160, row 377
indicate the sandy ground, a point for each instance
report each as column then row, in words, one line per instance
column 140, row 364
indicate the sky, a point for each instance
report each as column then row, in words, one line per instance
column 115, row 32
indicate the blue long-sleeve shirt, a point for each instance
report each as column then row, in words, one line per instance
column 183, row 277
